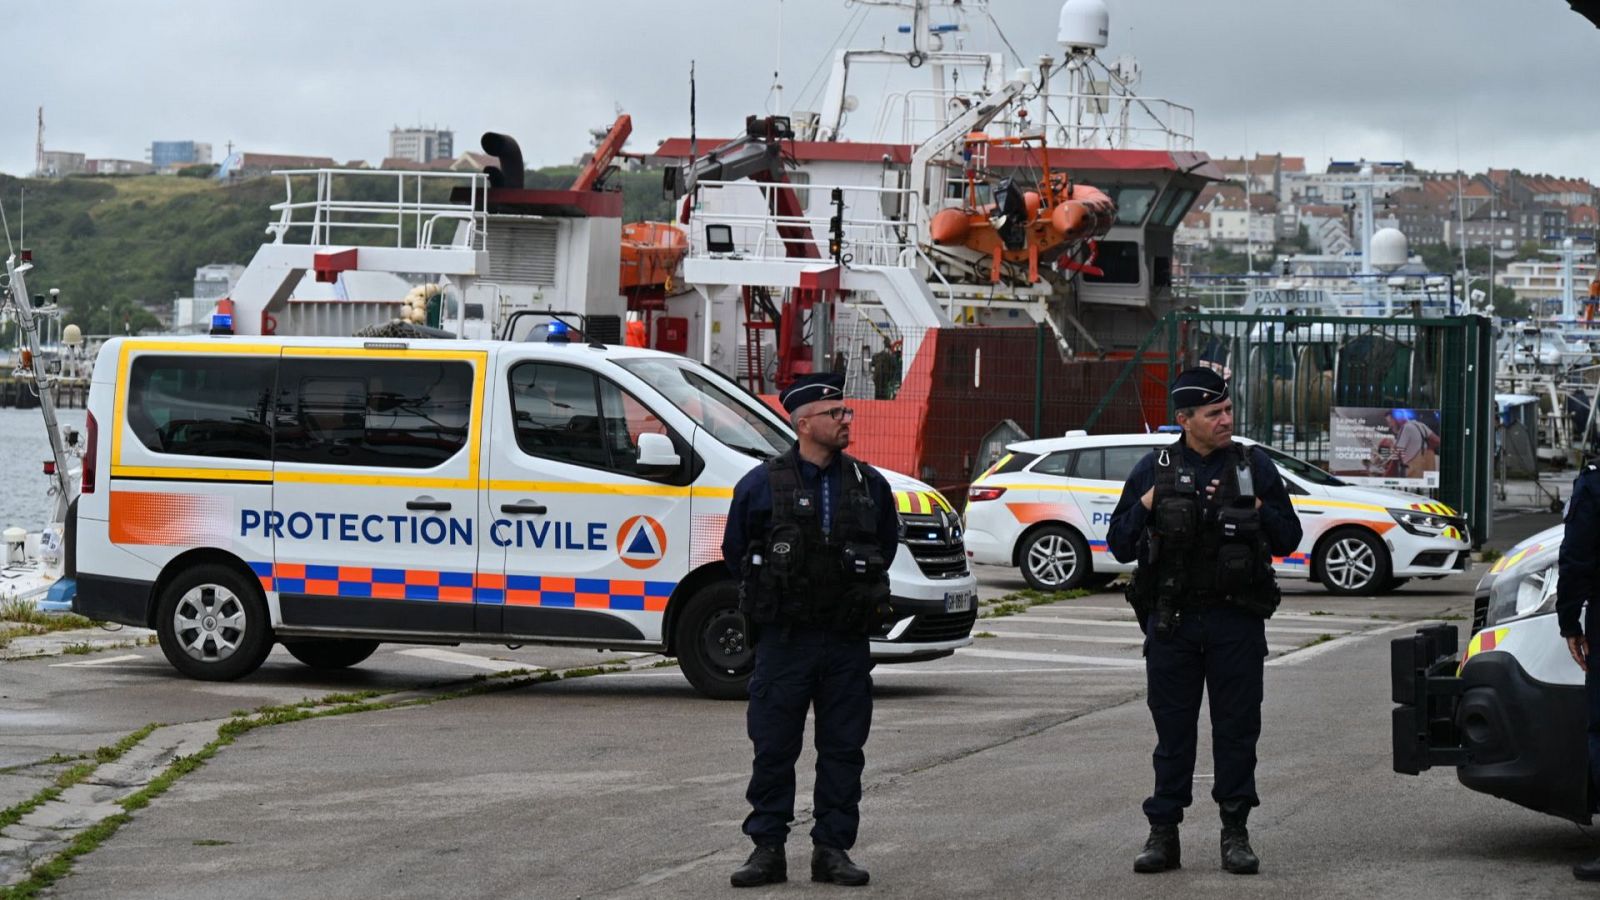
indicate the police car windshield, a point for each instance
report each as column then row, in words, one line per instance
column 717, row 404
column 1301, row 469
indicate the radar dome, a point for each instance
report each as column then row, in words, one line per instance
column 1085, row 24
column 1389, row 250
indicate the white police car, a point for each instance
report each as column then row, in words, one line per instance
column 1045, row 507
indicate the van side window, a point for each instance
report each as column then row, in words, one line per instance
column 398, row 414
column 574, row 416
column 202, row 405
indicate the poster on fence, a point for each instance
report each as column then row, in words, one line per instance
column 1385, row 446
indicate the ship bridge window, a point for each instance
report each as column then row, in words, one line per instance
column 956, row 189
column 1174, row 203
column 1133, row 202
column 1120, row 262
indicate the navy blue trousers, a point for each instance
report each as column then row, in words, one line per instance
column 1218, row 651
column 796, row 669
column 1591, row 686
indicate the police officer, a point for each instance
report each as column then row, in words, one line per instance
column 811, row 534
column 1204, row 518
column 1576, row 588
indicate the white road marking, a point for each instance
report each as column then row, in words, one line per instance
column 1129, row 623
column 1129, row 641
column 1297, row 657
column 466, row 659
column 1108, row 662
column 1281, row 614
column 103, row 661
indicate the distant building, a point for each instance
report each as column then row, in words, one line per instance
column 167, row 155
column 61, row 163
column 118, row 167
column 421, row 145
column 1538, row 280
column 216, row 280
column 251, row 165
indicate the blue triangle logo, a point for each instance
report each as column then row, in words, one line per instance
column 641, row 542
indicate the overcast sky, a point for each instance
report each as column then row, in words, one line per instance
column 1507, row 83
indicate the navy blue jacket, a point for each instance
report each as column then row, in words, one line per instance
column 1580, row 555
column 751, row 510
column 1126, row 537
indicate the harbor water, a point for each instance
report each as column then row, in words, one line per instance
column 23, row 448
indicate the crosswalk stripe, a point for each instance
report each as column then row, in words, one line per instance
column 1129, row 641
column 1129, row 623
column 1102, row 661
column 1280, row 614
column 466, row 659
column 102, row 661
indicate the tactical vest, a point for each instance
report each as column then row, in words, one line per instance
column 796, row 574
column 1196, row 560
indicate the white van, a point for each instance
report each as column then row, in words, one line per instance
column 1510, row 713
column 334, row 493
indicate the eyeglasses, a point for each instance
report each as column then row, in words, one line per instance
column 838, row 414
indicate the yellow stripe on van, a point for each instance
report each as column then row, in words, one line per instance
column 1335, row 504
column 255, row 476
column 572, row 487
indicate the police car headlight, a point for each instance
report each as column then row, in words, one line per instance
column 1416, row 522
column 1525, row 587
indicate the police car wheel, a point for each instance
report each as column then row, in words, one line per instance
column 330, row 653
column 1055, row 559
column 712, row 640
column 212, row 623
column 1353, row 561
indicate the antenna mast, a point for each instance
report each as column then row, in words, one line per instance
column 38, row 147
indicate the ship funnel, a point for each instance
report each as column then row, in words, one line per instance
column 504, row 147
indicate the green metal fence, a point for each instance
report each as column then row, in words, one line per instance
column 1289, row 372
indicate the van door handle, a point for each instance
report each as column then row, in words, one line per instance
column 533, row 508
column 435, row 505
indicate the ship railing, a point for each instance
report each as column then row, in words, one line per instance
column 878, row 226
column 1100, row 121
column 375, row 207
column 1427, row 295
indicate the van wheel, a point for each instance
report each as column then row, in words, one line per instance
column 330, row 653
column 712, row 640
column 1353, row 562
column 1055, row 559
column 212, row 623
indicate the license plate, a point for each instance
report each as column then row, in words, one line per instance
column 959, row 601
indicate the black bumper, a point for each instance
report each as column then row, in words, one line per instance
column 1507, row 734
column 106, row 598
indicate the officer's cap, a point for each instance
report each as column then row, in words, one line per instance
column 1198, row 387
column 812, row 387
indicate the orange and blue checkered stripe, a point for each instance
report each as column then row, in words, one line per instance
column 464, row 587
column 1293, row 559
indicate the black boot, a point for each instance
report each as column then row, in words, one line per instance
column 1237, row 857
column 833, row 865
column 1587, row 871
column 766, row 865
column 1160, row 852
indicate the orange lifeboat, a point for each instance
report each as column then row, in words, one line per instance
column 1022, row 226
column 651, row 252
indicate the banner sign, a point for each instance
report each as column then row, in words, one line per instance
column 1385, row 446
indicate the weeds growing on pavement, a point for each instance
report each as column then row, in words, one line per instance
column 1019, row 601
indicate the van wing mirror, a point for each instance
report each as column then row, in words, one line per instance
column 657, row 450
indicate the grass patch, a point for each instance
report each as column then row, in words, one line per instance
column 1488, row 555
column 1319, row 612
column 1019, row 601
column 80, row 648
column 1319, row 639
column 984, row 634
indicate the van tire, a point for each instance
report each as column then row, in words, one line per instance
column 1054, row 558
column 1353, row 562
column 712, row 640
column 331, row 653
column 212, row 623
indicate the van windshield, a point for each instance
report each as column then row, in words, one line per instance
column 717, row 404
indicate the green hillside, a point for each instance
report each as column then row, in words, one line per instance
column 115, row 245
